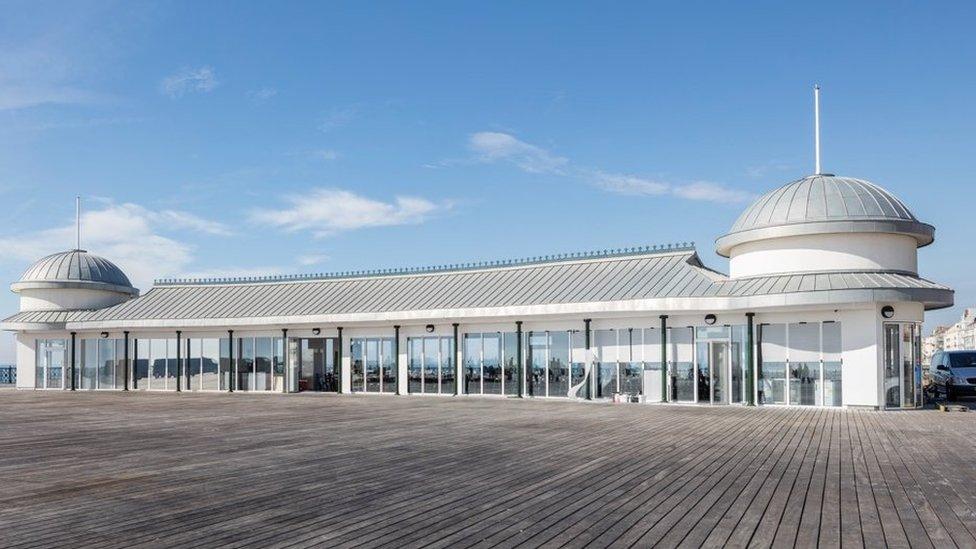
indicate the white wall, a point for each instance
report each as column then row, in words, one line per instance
column 25, row 361
column 824, row 252
column 59, row 299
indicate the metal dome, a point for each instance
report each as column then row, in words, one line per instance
column 824, row 203
column 75, row 269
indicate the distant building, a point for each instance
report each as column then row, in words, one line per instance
column 961, row 335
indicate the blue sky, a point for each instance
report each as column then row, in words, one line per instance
column 243, row 138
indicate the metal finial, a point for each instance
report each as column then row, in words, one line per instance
column 816, row 129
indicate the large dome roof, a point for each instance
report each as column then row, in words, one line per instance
column 74, row 269
column 825, row 203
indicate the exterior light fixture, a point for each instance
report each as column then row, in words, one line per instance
column 887, row 311
column 104, row 335
column 430, row 328
column 316, row 331
column 710, row 319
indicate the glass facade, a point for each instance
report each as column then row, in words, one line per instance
column 100, row 363
column 800, row 364
column 51, row 359
column 490, row 364
column 314, row 364
column 373, row 365
column 430, row 366
column 202, row 362
column 681, row 362
column 902, row 365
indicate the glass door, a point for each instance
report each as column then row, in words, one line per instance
column 314, row 364
column 718, row 362
column 902, row 370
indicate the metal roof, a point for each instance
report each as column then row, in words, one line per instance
column 74, row 267
column 613, row 277
column 824, row 203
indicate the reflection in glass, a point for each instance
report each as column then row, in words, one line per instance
column 89, row 363
column 537, row 363
column 140, row 376
column 471, row 356
column 372, row 347
column 511, row 361
column 357, row 359
column 772, row 372
column 833, row 376
column 606, row 351
column 680, row 357
column 209, row 361
column 431, row 365
column 263, row 350
column 226, row 365
column 907, row 366
column 492, row 373
column 558, row 364
column 389, row 366
column 415, row 363
column 805, row 364
column 447, row 365
column 577, row 368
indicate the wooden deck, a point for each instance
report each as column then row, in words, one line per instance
column 196, row 470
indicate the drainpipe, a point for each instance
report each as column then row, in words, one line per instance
column 750, row 360
column 518, row 361
column 231, row 370
column 339, row 365
column 590, row 391
column 664, row 358
column 458, row 367
column 179, row 361
column 125, row 368
column 284, row 360
column 73, row 360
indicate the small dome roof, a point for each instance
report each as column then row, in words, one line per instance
column 824, row 203
column 74, row 269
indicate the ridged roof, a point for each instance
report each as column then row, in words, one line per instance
column 822, row 198
column 822, row 204
column 75, row 266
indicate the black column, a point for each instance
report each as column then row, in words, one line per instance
column 396, row 360
column 586, row 339
column 457, row 365
column 284, row 359
column 750, row 360
column 179, row 360
column 135, row 353
column 518, row 361
column 664, row 358
column 232, row 378
column 759, row 360
column 339, row 361
column 125, row 369
column 73, row 360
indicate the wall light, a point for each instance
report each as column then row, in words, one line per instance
column 887, row 311
column 104, row 335
column 316, row 331
column 430, row 328
column 710, row 319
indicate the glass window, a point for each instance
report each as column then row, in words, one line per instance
column 372, row 347
column 171, row 365
column 447, row 365
column 471, row 356
column 50, row 361
column 226, row 365
column 632, row 364
column 558, row 364
column 263, row 357
column 106, row 363
column 738, row 357
column 279, row 365
column 492, row 377
column 120, row 373
column 833, row 375
column 209, row 364
column 140, row 378
column 88, row 353
column 245, row 364
column 194, row 363
column 511, row 362
column 772, row 371
column 538, row 343
column 431, row 365
column 651, row 357
column 389, row 365
column 606, row 356
column 578, row 386
column 415, row 363
column 892, row 356
column 681, row 363
column 358, row 359
column 805, row 387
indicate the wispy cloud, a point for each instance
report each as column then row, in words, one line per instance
column 503, row 147
column 186, row 220
column 120, row 232
column 327, row 211
column 324, row 154
column 630, row 184
column 262, row 94
column 338, row 117
column 497, row 146
column 202, row 79
column 307, row 260
column 766, row 168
